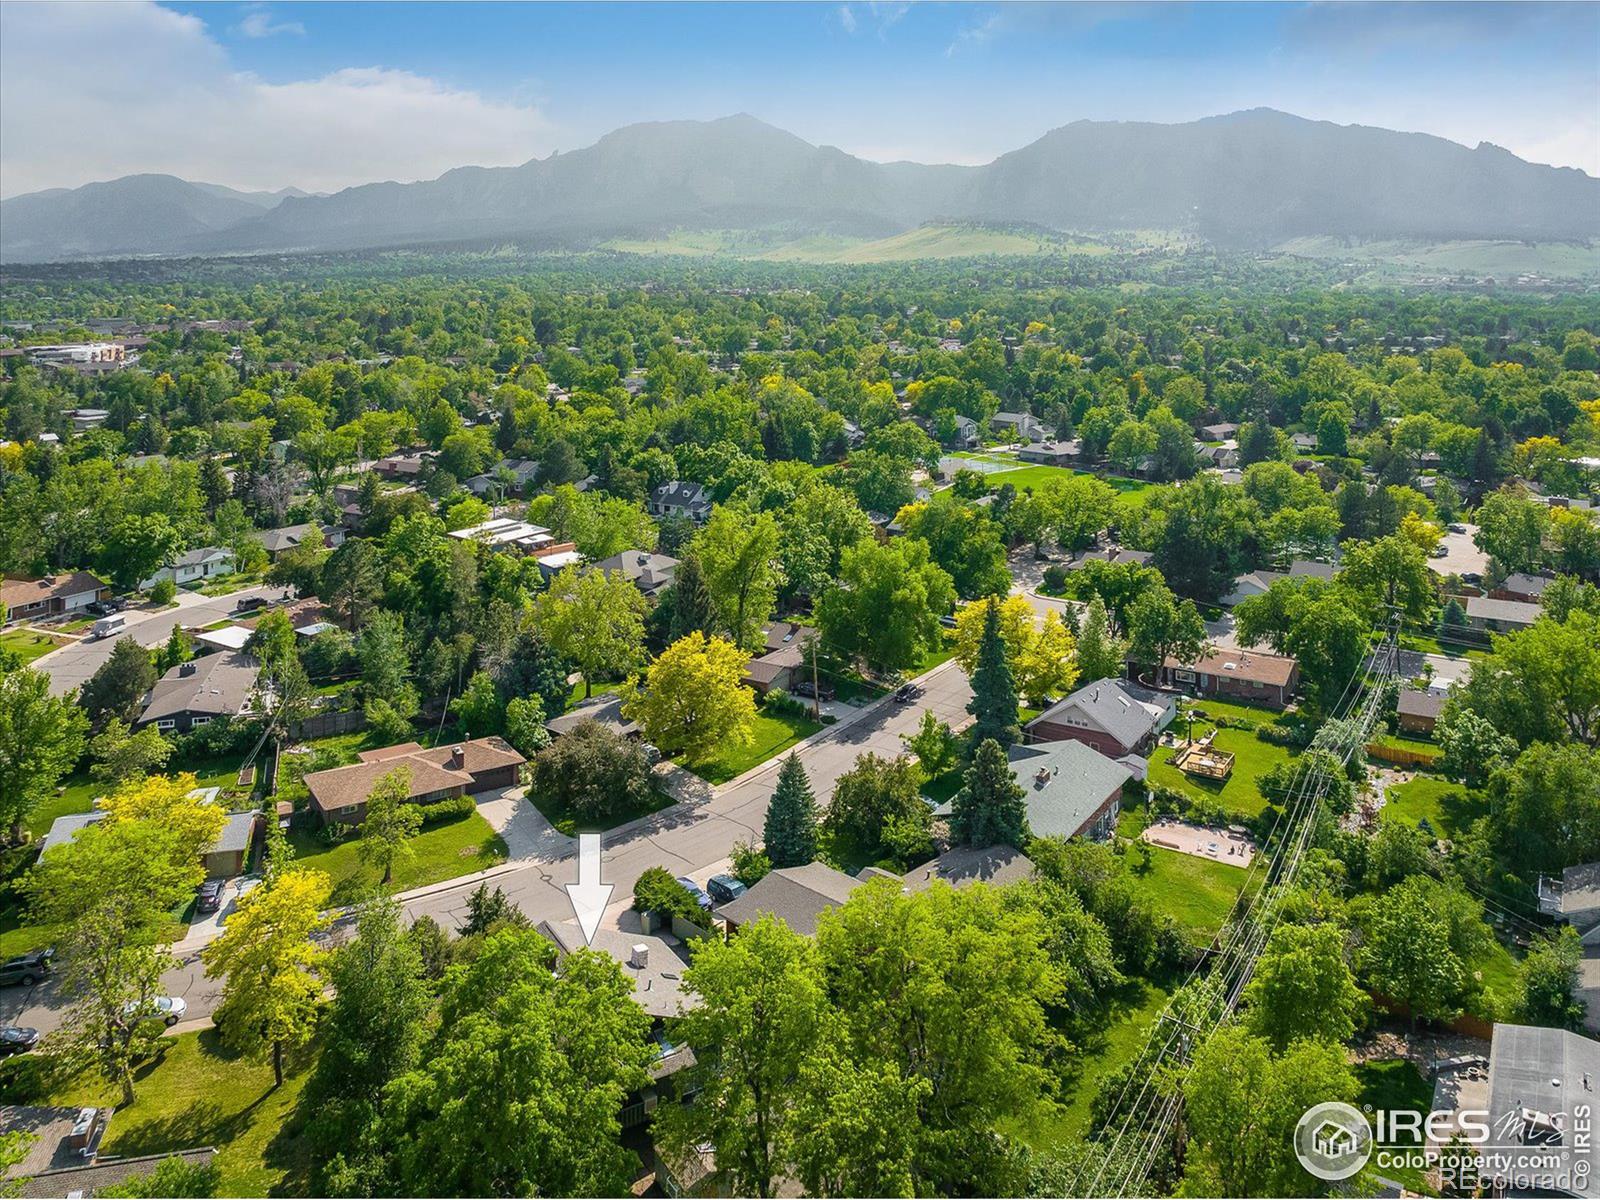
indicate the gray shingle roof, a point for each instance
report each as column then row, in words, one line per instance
column 1538, row 1080
column 1511, row 612
column 1116, row 706
column 1415, row 702
column 216, row 685
column 1063, row 784
column 966, row 865
column 795, row 895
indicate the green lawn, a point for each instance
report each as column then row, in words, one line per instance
column 439, row 852
column 29, row 644
column 1198, row 893
column 1448, row 807
column 565, row 822
column 1253, row 758
column 222, row 585
column 196, row 1092
column 1394, row 1083
column 769, row 736
column 598, row 690
column 1497, row 971
column 1032, row 475
column 944, row 787
column 1130, row 1015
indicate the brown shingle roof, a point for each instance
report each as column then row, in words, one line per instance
column 343, row 786
column 1271, row 669
column 15, row 593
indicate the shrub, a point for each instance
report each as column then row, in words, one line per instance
column 658, row 892
column 221, row 737
column 780, row 703
column 451, row 809
column 750, row 864
column 163, row 592
column 1055, row 577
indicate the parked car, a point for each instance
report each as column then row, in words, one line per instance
column 948, row 621
column 724, row 888
column 104, row 608
column 250, row 604
column 1472, row 577
column 210, row 897
column 167, row 1009
column 701, row 896
column 907, row 694
column 823, row 691
column 27, row 969
column 652, row 752
column 1456, row 527
column 17, row 1039
column 1441, row 551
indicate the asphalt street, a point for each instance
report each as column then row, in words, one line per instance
column 72, row 665
column 689, row 838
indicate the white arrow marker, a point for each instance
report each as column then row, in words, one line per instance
column 589, row 896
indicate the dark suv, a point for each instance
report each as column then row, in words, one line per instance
column 210, row 897
column 26, row 969
column 250, row 604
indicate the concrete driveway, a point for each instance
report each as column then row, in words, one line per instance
column 1461, row 557
column 71, row 666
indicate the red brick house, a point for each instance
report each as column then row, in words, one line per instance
column 464, row 769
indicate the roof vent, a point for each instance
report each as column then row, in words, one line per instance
column 640, row 956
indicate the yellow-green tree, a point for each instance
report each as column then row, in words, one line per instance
column 1043, row 659
column 270, row 964
column 594, row 619
column 694, row 698
column 173, row 803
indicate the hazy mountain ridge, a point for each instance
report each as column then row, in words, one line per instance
column 1248, row 179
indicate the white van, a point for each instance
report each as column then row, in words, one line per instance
column 106, row 626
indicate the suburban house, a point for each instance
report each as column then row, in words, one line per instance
column 1069, row 790
column 1501, row 616
column 653, row 967
column 1521, row 586
column 85, row 419
column 1255, row 583
column 1117, row 717
column 604, row 710
column 967, row 433
column 649, row 572
column 54, row 595
column 464, row 769
column 1419, row 710
column 287, row 537
column 1235, row 675
column 795, row 895
column 1051, row 453
column 208, row 562
column 196, row 693
column 1538, row 1103
column 228, row 856
column 783, row 661
column 963, row 866
column 1224, row 457
column 405, row 465
column 519, row 474
column 1020, row 426
column 677, row 498
column 1219, row 432
column 1111, row 554
column 507, row 533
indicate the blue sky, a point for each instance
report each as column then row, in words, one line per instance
column 323, row 95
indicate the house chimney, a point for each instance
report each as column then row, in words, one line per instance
column 458, row 755
column 640, row 958
column 186, row 668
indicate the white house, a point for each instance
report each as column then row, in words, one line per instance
column 208, row 562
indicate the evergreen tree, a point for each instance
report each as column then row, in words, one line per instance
column 691, row 600
column 994, row 688
column 1451, row 618
column 989, row 809
column 1100, row 652
column 791, row 829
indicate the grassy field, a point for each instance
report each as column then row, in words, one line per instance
column 1198, row 893
column 770, row 735
column 440, row 852
column 196, row 1092
column 1399, row 258
column 925, row 242
column 1394, row 1083
column 29, row 644
column 1031, row 476
column 565, row 822
column 1131, row 1014
column 1448, row 807
column 1253, row 758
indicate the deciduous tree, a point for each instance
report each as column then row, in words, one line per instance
column 391, row 822
column 41, row 738
column 693, row 698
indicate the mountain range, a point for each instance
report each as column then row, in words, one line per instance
column 1249, row 179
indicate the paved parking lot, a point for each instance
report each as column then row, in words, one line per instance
column 1220, row 845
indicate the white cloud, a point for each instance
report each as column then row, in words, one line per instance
column 847, row 18
column 95, row 91
column 259, row 24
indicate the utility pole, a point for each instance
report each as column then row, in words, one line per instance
column 816, row 690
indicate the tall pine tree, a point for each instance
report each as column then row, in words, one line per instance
column 994, row 689
column 790, row 834
column 691, row 600
column 988, row 810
